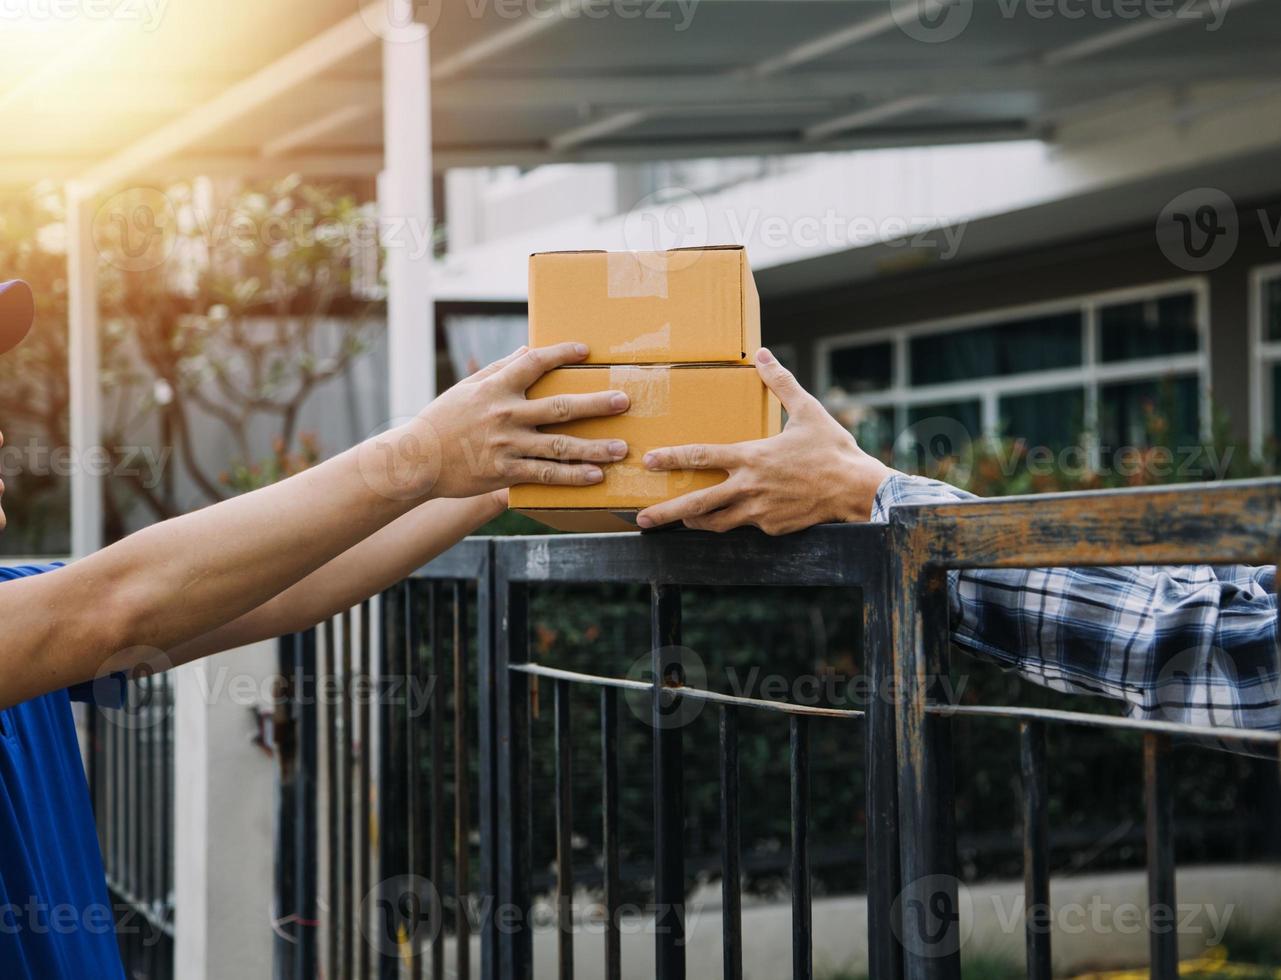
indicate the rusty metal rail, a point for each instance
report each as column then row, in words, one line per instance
column 465, row 619
column 1202, row 523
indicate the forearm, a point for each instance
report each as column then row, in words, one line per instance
column 376, row 563
column 174, row 581
column 1188, row 643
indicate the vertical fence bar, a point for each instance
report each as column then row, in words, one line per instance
column 731, row 849
column 308, row 844
column 487, row 741
column 564, row 832
column 286, row 949
column 802, row 925
column 332, row 892
column 669, row 785
column 1162, row 911
column 442, row 628
column 930, row 915
column 393, row 843
column 609, row 819
column 516, row 933
column 346, row 821
column 462, row 790
column 364, row 788
column 880, row 787
column 1036, row 849
column 412, row 666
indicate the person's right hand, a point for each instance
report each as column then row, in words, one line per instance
column 486, row 434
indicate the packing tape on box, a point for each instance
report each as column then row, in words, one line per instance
column 650, row 343
column 648, row 387
column 635, row 274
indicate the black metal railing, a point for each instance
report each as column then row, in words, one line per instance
column 466, row 620
column 1207, row 524
column 131, row 776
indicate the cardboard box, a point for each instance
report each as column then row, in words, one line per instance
column 686, row 306
column 671, row 406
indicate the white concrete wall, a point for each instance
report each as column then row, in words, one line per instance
column 786, row 218
column 224, row 806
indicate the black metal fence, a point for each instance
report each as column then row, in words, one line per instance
column 421, row 752
column 131, row 778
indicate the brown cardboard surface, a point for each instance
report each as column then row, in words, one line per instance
column 682, row 306
column 672, row 405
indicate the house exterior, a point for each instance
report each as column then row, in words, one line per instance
column 1006, row 289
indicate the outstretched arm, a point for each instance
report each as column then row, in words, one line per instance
column 1192, row 644
column 176, row 581
column 377, row 563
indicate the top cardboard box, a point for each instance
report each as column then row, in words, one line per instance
column 684, row 306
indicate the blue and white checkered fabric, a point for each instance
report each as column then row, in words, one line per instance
column 1192, row 644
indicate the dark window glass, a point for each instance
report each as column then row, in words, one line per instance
column 1148, row 328
column 1013, row 347
column 861, row 369
column 1272, row 310
column 1044, row 418
column 937, row 432
column 1276, row 401
column 1129, row 411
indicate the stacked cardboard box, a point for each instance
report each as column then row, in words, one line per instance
column 675, row 330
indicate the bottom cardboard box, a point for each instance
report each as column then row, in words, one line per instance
column 671, row 405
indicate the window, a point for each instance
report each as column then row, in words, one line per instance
column 1097, row 365
column 1265, row 390
column 1054, row 418
column 999, row 350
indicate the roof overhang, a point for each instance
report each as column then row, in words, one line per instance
column 268, row 90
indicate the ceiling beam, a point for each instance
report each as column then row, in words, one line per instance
column 498, row 42
column 361, row 164
column 641, row 91
column 1108, row 40
column 862, row 30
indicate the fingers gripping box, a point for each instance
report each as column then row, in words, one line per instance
column 671, row 405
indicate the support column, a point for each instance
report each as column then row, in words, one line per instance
column 405, row 209
column 83, row 356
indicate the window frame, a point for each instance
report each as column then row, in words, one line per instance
column 1091, row 375
column 1264, row 354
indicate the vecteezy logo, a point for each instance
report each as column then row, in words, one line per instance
column 400, row 912
column 397, row 462
column 933, row 916
column 936, row 446
column 125, row 686
column 671, row 217
column 680, row 667
column 400, row 21
column 932, row 21
column 1198, row 231
column 135, row 229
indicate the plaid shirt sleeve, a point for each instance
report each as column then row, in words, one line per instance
column 1190, row 644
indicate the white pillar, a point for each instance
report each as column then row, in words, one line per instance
column 224, row 808
column 84, row 355
column 404, row 202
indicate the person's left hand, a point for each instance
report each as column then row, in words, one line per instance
column 813, row 472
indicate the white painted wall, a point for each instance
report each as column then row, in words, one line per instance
column 224, row 806
column 888, row 192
